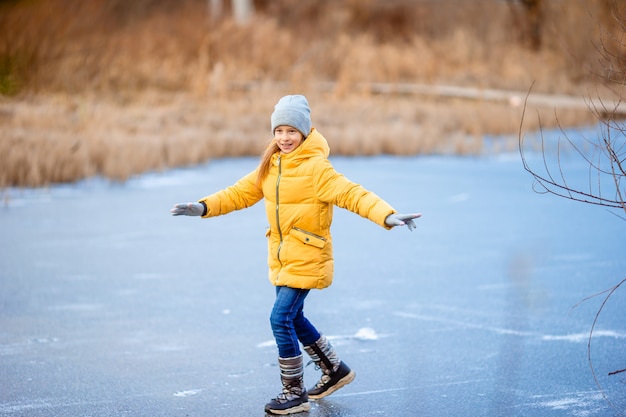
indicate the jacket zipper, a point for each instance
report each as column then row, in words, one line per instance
column 280, row 233
column 306, row 232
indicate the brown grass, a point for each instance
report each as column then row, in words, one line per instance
column 118, row 88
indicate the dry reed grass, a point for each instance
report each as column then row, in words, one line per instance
column 61, row 138
column 117, row 88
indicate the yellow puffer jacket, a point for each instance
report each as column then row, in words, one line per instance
column 300, row 191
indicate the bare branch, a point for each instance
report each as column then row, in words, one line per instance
column 605, row 160
column 595, row 320
column 605, row 157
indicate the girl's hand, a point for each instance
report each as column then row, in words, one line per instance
column 402, row 220
column 188, row 209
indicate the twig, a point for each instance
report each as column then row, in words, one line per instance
column 595, row 320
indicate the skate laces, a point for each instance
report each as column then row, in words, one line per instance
column 317, row 367
column 323, row 381
column 289, row 394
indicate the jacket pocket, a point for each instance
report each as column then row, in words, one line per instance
column 308, row 238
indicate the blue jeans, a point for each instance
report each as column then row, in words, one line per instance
column 289, row 324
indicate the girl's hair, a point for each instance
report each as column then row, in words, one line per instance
column 266, row 160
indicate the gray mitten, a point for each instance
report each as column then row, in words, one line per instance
column 188, row 209
column 402, row 220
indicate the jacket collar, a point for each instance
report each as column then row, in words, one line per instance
column 314, row 145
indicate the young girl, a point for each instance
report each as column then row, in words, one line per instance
column 300, row 188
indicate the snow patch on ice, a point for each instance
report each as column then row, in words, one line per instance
column 17, row 407
column 577, row 404
column 583, row 337
column 366, row 333
column 574, row 257
column 19, row 347
column 574, row 337
column 464, row 324
column 267, row 343
column 408, row 388
column 562, row 404
column 240, row 374
column 188, row 393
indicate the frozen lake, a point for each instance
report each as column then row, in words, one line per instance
column 112, row 307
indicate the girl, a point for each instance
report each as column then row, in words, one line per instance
column 300, row 188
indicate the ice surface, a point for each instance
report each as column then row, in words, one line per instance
column 111, row 307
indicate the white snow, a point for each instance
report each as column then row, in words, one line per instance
column 188, row 393
column 366, row 333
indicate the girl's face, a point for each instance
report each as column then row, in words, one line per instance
column 287, row 138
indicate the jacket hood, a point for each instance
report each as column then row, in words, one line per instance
column 314, row 145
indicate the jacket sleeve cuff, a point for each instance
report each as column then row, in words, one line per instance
column 206, row 210
column 385, row 225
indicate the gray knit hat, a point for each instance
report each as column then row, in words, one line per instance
column 292, row 111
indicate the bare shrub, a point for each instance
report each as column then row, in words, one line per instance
column 604, row 152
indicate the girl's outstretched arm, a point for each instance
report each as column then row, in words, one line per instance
column 334, row 187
